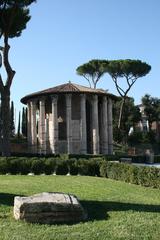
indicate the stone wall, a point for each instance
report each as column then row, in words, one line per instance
column 19, row 147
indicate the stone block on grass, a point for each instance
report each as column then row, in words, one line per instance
column 49, row 208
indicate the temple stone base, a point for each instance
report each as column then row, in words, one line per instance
column 49, row 208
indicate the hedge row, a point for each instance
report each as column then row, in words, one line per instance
column 135, row 158
column 157, row 159
column 145, row 176
column 141, row 175
column 61, row 156
column 23, row 165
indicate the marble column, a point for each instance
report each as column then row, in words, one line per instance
column 54, row 143
column 83, row 125
column 47, row 134
column 110, row 127
column 104, row 126
column 42, row 126
column 29, row 138
column 68, row 120
column 95, row 125
column 33, row 126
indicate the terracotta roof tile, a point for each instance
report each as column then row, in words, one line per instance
column 66, row 88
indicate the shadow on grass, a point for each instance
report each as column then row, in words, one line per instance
column 98, row 210
column 7, row 199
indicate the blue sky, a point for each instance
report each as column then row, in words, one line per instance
column 62, row 35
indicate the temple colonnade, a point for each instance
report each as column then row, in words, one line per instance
column 70, row 123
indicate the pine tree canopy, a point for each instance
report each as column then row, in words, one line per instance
column 14, row 16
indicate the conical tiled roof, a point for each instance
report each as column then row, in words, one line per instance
column 66, row 88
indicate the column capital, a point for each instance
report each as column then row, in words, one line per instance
column 68, row 96
column 54, row 98
column 42, row 99
column 94, row 97
column 105, row 98
column 28, row 102
column 83, row 95
column 109, row 100
column 33, row 101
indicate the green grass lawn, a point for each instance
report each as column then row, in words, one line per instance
column 116, row 210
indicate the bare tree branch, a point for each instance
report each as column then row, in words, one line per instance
column 87, row 80
column 119, row 89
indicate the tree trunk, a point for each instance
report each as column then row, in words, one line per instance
column 121, row 113
column 157, row 130
column 5, row 115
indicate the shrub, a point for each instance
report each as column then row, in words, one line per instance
column 135, row 138
column 111, row 157
column 88, row 167
column 93, row 166
column 13, row 165
column 104, row 169
column 145, row 176
column 64, row 156
column 138, row 159
column 72, row 166
column 61, row 167
column 157, row 158
column 24, row 165
column 149, row 176
column 82, row 167
column 84, row 156
column 37, row 166
column 49, row 165
column 3, row 165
